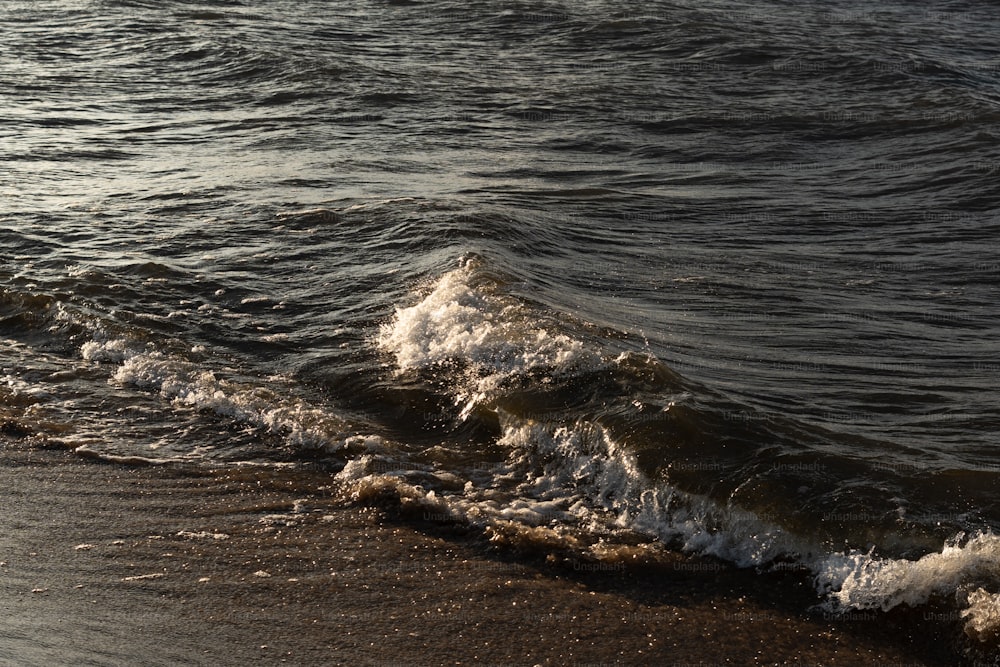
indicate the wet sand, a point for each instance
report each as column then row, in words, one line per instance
column 110, row 564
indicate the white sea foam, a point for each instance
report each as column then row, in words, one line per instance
column 117, row 350
column 459, row 322
column 598, row 472
column 586, row 459
column 202, row 535
column 491, row 336
column 866, row 581
column 561, row 476
column 184, row 383
column 982, row 615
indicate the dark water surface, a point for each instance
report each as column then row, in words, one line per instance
column 724, row 275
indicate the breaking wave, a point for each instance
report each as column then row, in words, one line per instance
column 572, row 479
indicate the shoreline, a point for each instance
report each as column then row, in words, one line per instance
column 107, row 564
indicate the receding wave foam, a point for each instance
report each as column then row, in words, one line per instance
column 185, row 383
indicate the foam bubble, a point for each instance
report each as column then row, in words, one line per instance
column 202, row 535
column 116, row 350
column 983, row 616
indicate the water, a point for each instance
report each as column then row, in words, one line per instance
column 719, row 274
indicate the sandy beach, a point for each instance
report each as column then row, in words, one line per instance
column 111, row 564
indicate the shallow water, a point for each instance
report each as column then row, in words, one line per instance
column 718, row 274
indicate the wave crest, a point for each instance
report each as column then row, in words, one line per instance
column 465, row 324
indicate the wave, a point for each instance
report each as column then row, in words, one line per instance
column 964, row 574
column 593, row 445
column 866, row 581
column 574, row 473
column 577, row 489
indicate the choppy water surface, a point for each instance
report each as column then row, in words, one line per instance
column 721, row 274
